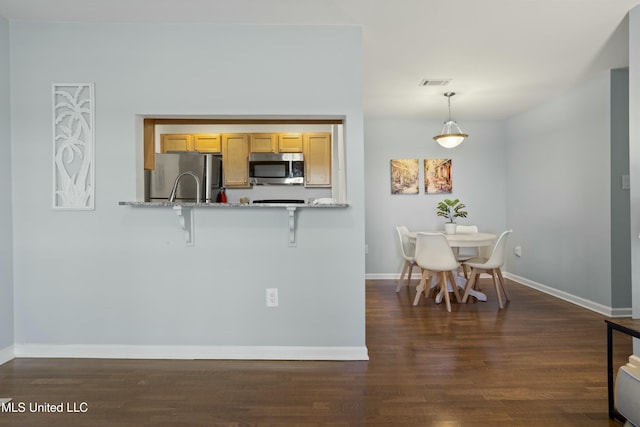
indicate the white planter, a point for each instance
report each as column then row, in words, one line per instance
column 450, row 227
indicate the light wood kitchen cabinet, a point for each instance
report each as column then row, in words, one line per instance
column 207, row 143
column 203, row 143
column 276, row 142
column 264, row 142
column 317, row 159
column 290, row 142
column 235, row 160
column 176, row 142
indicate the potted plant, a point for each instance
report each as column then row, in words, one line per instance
column 451, row 209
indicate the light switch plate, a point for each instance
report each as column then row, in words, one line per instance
column 626, row 182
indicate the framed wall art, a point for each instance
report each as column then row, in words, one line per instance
column 437, row 176
column 73, row 146
column 404, row 176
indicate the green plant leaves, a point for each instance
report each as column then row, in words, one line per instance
column 451, row 209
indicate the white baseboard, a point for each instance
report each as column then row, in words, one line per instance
column 582, row 302
column 387, row 276
column 192, row 352
column 7, row 354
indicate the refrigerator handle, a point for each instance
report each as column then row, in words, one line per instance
column 208, row 175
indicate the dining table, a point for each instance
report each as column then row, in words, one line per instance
column 457, row 240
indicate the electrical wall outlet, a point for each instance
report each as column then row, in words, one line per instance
column 517, row 251
column 272, row 297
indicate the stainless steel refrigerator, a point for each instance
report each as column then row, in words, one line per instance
column 207, row 167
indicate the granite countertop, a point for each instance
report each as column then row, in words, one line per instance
column 231, row 205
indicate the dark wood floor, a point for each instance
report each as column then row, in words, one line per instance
column 538, row 362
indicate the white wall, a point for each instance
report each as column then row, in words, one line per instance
column 122, row 276
column 478, row 173
column 558, row 193
column 634, row 155
column 6, row 234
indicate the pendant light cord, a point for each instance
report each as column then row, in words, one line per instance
column 449, row 95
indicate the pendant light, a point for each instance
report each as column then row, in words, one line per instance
column 451, row 135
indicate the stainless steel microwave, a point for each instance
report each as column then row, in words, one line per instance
column 276, row 168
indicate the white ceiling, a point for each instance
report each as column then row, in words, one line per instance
column 503, row 56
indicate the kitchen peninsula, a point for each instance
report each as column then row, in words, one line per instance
column 184, row 210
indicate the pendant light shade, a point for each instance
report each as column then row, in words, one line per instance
column 451, row 135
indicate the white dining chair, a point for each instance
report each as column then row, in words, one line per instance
column 491, row 266
column 407, row 250
column 464, row 254
column 435, row 256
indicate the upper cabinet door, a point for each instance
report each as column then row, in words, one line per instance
column 175, row 142
column 235, row 159
column 290, row 142
column 264, row 143
column 207, row 143
column 317, row 159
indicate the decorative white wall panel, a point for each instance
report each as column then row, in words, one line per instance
column 73, row 146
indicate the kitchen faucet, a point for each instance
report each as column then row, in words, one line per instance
column 172, row 196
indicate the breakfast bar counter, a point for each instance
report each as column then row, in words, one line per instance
column 184, row 210
column 164, row 203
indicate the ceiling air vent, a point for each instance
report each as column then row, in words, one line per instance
column 435, row 82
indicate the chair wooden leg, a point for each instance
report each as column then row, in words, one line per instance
column 454, row 285
column 402, row 273
column 420, row 287
column 443, row 284
column 495, row 284
column 476, row 285
column 504, row 289
column 433, row 286
column 409, row 274
column 427, row 278
column 470, row 284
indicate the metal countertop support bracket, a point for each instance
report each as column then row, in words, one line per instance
column 292, row 226
column 185, row 216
